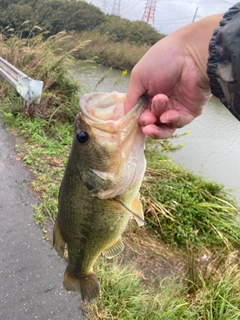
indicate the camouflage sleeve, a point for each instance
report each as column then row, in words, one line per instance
column 224, row 61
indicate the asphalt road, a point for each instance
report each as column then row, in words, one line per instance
column 30, row 272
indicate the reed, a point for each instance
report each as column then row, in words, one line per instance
column 43, row 60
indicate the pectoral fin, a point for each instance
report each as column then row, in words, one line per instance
column 138, row 210
column 58, row 241
column 114, row 250
column 136, row 205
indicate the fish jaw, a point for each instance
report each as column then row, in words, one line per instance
column 103, row 107
column 132, row 165
column 121, row 134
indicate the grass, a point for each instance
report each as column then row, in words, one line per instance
column 191, row 222
column 123, row 296
column 43, row 60
column 45, row 155
column 122, row 55
column 184, row 208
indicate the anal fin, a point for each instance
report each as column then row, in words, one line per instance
column 58, row 241
column 87, row 285
column 115, row 249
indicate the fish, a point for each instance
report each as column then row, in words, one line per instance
column 99, row 191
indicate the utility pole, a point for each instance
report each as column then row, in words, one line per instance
column 195, row 15
column 149, row 11
column 116, row 7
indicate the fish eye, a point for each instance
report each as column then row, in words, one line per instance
column 82, row 136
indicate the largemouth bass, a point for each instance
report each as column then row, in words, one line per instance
column 100, row 188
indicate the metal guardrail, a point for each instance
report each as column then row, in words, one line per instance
column 28, row 88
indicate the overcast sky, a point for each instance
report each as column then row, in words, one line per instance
column 170, row 14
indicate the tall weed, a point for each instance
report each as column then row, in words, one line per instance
column 122, row 55
column 42, row 60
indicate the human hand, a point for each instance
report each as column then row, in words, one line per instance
column 173, row 74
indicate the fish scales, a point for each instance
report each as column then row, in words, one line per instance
column 94, row 205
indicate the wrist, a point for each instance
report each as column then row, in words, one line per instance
column 196, row 37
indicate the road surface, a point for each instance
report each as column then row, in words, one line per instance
column 30, row 272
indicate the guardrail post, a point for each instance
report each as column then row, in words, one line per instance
column 27, row 87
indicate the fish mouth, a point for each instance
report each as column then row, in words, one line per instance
column 105, row 111
column 118, row 132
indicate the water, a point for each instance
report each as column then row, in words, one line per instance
column 89, row 75
column 212, row 149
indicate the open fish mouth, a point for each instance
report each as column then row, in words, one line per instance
column 105, row 112
column 118, row 132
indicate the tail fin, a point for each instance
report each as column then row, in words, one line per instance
column 87, row 285
column 58, row 241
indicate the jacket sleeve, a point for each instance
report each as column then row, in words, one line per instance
column 224, row 61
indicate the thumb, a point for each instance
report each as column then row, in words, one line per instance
column 134, row 92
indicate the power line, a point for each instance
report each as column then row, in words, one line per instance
column 127, row 9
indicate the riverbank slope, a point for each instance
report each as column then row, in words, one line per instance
column 90, row 34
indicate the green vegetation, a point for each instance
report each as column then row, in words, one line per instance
column 184, row 208
column 53, row 16
column 116, row 42
column 123, row 55
column 125, row 297
column 190, row 222
column 42, row 60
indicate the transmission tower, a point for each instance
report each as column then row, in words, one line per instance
column 116, row 7
column 104, row 5
column 149, row 11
